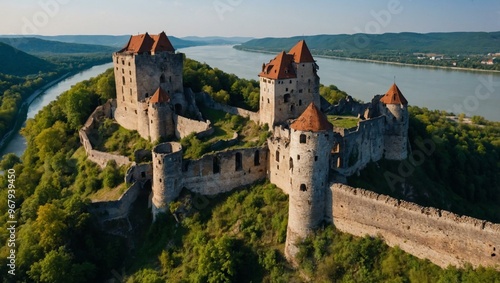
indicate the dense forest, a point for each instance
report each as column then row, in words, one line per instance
column 21, row 74
column 234, row 237
column 465, row 49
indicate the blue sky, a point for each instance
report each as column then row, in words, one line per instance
column 256, row 18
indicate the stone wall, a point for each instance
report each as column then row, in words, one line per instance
column 224, row 171
column 185, row 126
column 441, row 236
column 99, row 157
column 115, row 209
column 355, row 148
column 209, row 102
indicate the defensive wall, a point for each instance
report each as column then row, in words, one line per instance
column 224, row 171
column 441, row 236
column 115, row 209
column 356, row 147
column 100, row 158
column 209, row 102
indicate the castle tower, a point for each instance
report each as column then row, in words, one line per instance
column 160, row 116
column 311, row 140
column 395, row 108
column 167, row 175
column 146, row 62
column 288, row 83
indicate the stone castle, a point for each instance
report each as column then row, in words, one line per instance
column 306, row 156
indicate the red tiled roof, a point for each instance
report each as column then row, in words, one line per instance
column 279, row 68
column 159, row 96
column 301, row 53
column 148, row 43
column 161, row 43
column 394, row 96
column 312, row 119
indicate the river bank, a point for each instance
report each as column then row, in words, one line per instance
column 21, row 114
column 380, row 62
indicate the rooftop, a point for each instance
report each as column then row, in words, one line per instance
column 394, row 96
column 279, row 68
column 160, row 96
column 301, row 53
column 312, row 119
column 148, row 43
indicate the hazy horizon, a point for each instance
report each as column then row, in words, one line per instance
column 258, row 19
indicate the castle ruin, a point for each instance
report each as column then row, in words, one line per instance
column 306, row 156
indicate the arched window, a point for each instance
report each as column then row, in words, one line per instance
column 303, row 188
column 277, row 156
column 162, row 78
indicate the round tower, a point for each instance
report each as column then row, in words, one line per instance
column 311, row 141
column 395, row 108
column 160, row 116
column 167, row 175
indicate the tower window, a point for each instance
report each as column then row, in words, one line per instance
column 238, row 164
column 316, row 158
column 291, row 163
column 256, row 158
column 162, row 78
column 298, row 157
column 303, row 188
column 302, row 138
column 300, row 90
column 300, row 102
column 277, row 156
column 123, row 80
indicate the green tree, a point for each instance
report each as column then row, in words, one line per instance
column 218, row 261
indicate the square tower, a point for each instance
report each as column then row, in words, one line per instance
column 146, row 63
column 288, row 84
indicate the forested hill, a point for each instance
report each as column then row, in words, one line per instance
column 39, row 46
column 111, row 42
column 18, row 63
column 448, row 43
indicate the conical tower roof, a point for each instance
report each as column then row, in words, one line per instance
column 159, row 96
column 312, row 119
column 394, row 96
column 301, row 53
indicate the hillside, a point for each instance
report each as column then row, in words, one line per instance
column 39, row 46
column 449, row 43
column 468, row 50
column 18, row 63
column 98, row 43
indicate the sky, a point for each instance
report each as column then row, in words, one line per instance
column 256, row 18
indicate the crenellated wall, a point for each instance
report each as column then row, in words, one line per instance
column 441, row 236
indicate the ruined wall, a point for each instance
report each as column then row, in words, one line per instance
column 110, row 210
column 224, row 171
column 99, row 157
column 356, row 148
column 209, row 102
column 185, row 126
column 441, row 236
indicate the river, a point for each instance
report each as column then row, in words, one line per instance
column 17, row 144
column 474, row 93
